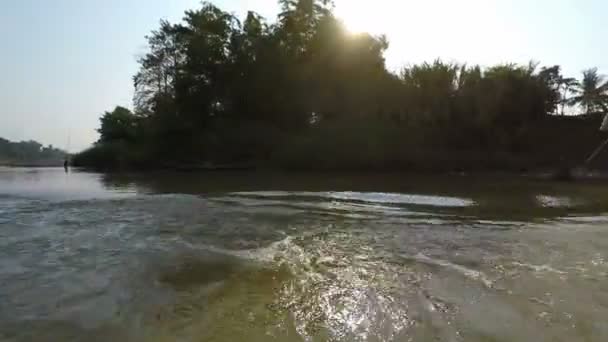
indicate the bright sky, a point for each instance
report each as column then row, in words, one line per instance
column 64, row 62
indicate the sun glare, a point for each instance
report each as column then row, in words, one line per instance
column 420, row 30
column 354, row 17
column 359, row 16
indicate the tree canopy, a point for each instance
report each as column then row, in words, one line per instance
column 217, row 88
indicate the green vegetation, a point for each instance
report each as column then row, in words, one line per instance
column 303, row 92
column 30, row 153
column 592, row 92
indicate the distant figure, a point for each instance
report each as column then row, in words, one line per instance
column 65, row 165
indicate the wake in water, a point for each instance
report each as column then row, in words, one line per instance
column 467, row 272
column 295, row 266
column 322, row 291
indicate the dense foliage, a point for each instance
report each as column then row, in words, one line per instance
column 29, row 153
column 305, row 92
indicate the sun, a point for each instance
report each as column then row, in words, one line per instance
column 366, row 16
column 353, row 16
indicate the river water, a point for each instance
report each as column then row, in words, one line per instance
column 294, row 257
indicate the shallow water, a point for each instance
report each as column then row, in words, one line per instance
column 292, row 257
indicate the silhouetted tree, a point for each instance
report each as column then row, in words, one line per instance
column 213, row 88
column 29, row 152
column 592, row 92
column 566, row 86
column 119, row 124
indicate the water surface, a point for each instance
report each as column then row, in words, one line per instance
column 300, row 257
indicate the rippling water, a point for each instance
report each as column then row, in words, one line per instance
column 229, row 257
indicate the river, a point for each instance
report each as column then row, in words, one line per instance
column 300, row 257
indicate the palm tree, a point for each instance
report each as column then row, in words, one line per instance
column 592, row 92
column 566, row 84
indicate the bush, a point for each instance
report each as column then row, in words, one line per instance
column 114, row 155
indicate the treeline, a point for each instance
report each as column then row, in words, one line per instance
column 304, row 92
column 29, row 153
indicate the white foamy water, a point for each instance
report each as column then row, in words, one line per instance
column 369, row 197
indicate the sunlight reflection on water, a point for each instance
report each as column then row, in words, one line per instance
column 84, row 257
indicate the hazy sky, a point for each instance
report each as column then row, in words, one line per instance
column 64, row 62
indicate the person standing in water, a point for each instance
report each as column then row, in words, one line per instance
column 66, row 162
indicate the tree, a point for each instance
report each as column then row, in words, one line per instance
column 566, row 86
column 29, row 152
column 592, row 92
column 430, row 89
column 213, row 88
column 118, row 125
column 554, row 82
column 156, row 81
column 298, row 19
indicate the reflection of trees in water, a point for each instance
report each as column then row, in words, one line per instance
column 156, row 182
column 117, row 181
column 14, row 174
column 239, row 181
column 493, row 197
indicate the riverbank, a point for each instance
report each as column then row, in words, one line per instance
column 550, row 144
